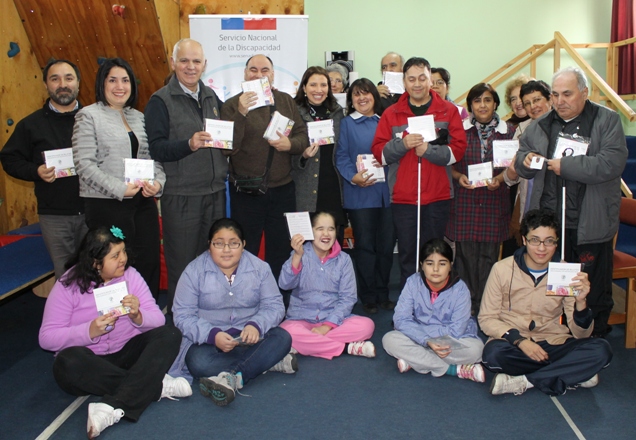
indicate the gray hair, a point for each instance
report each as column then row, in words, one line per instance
column 581, row 79
column 178, row 44
column 341, row 70
column 395, row 53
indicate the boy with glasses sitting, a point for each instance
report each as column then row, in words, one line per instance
column 529, row 346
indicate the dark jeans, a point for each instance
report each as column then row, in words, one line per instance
column 265, row 213
column 434, row 217
column 598, row 263
column 138, row 218
column 473, row 261
column 130, row 379
column 186, row 226
column 569, row 364
column 251, row 361
column 373, row 252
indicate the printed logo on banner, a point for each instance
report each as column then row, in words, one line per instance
column 248, row 24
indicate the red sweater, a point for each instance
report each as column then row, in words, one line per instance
column 437, row 182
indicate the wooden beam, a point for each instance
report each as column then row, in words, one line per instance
column 624, row 42
column 557, row 56
column 595, row 78
column 533, row 68
column 626, row 191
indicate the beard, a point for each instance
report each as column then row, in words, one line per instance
column 63, row 95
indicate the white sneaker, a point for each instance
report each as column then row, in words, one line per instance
column 293, row 351
column 503, row 383
column 175, row 387
column 361, row 348
column 474, row 372
column 590, row 383
column 403, row 366
column 221, row 389
column 100, row 417
column 287, row 365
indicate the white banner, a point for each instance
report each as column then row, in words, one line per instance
column 230, row 40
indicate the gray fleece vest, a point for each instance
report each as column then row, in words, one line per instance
column 204, row 171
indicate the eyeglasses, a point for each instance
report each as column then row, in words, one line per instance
column 336, row 80
column 533, row 102
column 439, row 82
column 231, row 245
column 548, row 242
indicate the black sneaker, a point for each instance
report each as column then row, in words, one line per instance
column 370, row 309
column 388, row 305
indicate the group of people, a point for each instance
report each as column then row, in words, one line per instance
column 236, row 316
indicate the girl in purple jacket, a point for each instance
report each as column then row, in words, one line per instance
column 121, row 357
column 319, row 317
column 434, row 332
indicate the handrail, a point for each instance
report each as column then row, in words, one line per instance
column 598, row 84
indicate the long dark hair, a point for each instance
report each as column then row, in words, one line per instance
column 301, row 96
column 364, row 85
column 94, row 247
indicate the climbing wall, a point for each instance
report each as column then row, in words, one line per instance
column 85, row 31
column 22, row 92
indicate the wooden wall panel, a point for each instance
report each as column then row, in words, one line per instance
column 272, row 7
column 22, row 92
column 83, row 31
column 168, row 13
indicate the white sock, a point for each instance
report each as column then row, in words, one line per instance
column 528, row 384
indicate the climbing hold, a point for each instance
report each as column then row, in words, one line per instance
column 14, row 49
column 9, row 122
column 119, row 10
column 200, row 9
column 100, row 60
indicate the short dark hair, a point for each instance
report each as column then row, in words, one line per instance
column 436, row 246
column 226, row 223
column 268, row 59
column 416, row 61
column 330, row 102
column 53, row 62
column 535, row 86
column 445, row 74
column 102, row 74
column 364, row 85
column 477, row 91
column 537, row 218
column 92, row 250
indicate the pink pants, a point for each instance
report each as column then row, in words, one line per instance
column 352, row 329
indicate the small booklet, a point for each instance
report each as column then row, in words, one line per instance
column 559, row 278
column 108, row 299
column 570, row 147
column 222, row 133
column 480, row 174
column 262, row 88
column 299, row 223
column 394, row 81
column 62, row 160
column 503, row 152
column 424, row 125
column 138, row 171
column 278, row 123
column 446, row 340
column 537, row 162
column 321, row 132
column 366, row 162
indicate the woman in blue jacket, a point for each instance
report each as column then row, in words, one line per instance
column 366, row 199
column 434, row 332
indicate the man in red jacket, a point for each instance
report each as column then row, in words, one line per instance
column 395, row 146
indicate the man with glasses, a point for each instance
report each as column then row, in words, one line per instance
column 528, row 345
column 592, row 179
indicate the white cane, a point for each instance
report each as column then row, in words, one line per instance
column 419, row 201
column 566, row 152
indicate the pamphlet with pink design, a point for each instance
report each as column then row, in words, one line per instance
column 108, row 299
column 222, row 133
column 62, row 160
column 560, row 277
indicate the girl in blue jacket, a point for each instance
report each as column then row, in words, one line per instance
column 319, row 317
column 434, row 332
